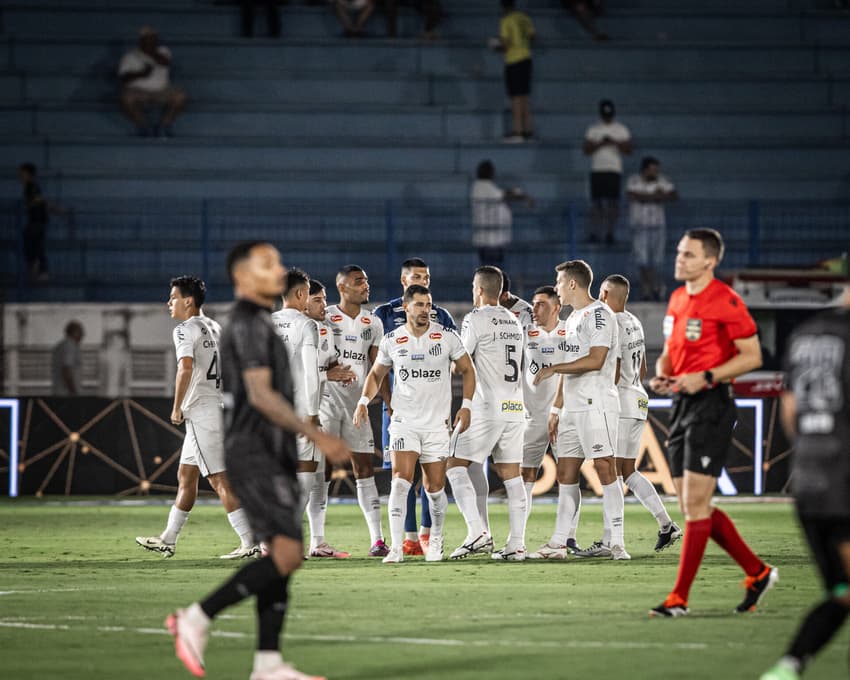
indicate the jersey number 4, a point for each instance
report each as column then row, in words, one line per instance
column 212, row 371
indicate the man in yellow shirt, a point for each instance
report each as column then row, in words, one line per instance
column 516, row 32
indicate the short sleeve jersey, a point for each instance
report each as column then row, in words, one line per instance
column 198, row 338
column 650, row 214
column 542, row 349
column 422, row 389
column 818, row 368
column 592, row 326
column 607, row 158
column 700, row 330
column 522, row 311
column 632, row 350
column 353, row 339
column 516, row 30
column 300, row 335
column 249, row 341
column 493, row 338
column 136, row 60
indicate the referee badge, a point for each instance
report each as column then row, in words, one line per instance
column 693, row 329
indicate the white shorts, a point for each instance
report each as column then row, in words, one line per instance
column 535, row 442
column 358, row 440
column 432, row 447
column 203, row 445
column 502, row 439
column 586, row 434
column 308, row 452
column 629, row 433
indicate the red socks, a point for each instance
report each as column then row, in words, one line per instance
column 693, row 548
column 725, row 534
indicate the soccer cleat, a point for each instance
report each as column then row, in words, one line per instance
column 483, row 543
column 283, row 672
column 671, row 608
column 507, row 554
column 242, row 552
column 156, row 544
column 327, row 550
column 572, row 546
column 423, row 541
column 668, row 537
column 394, row 556
column 379, row 549
column 189, row 642
column 618, row 552
column 756, row 587
column 547, row 551
column 412, row 547
column 781, row 671
column 435, row 550
column 598, row 549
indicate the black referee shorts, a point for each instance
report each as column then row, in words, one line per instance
column 605, row 186
column 518, row 78
column 268, row 493
column 701, row 429
column 824, row 535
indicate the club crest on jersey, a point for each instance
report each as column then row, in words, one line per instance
column 533, row 334
column 366, row 334
column 398, row 444
column 436, row 350
column 693, row 329
column 365, row 320
column 400, row 341
column 336, row 318
column 436, row 336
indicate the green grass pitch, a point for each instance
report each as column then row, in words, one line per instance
column 78, row 599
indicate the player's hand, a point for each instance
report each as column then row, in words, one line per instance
column 463, row 417
column 661, row 384
column 314, row 421
column 361, row 415
column 335, row 449
column 341, row 373
column 176, row 416
column 543, row 374
column 689, row 383
column 553, row 427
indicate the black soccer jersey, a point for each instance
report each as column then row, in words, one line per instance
column 250, row 341
column 818, row 367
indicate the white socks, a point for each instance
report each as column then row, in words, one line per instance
column 528, row 495
column 317, row 508
column 176, row 519
column 370, row 504
column 464, row 494
column 613, row 507
column 438, row 502
column 305, row 485
column 645, row 492
column 482, row 491
column 239, row 521
column 566, row 519
column 517, row 510
column 396, row 508
column 196, row 616
column 266, row 659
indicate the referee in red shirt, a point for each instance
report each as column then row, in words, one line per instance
column 710, row 339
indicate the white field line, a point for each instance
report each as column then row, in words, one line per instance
column 49, row 590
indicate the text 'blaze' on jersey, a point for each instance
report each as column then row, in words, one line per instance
column 634, row 402
column 592, row 326
column 542, row 349
column 353, row 338
column 493, row 338
column 198, row 338
column 300, row 335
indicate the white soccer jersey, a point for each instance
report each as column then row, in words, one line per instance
column 353, row 339
column 197, row 338
column 327, row 355
column 493, row 337
column 542, row 348
column 633, row 398
column 592, row 326
column 522, row 311
column 422, row 389
column 301, row 338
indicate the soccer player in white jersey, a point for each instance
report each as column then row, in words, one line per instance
column 634, row 406
column 493, row 338
column 301, row 337
column 357, row 333
column 587, row 427
column 197, row 402
column 421, row 354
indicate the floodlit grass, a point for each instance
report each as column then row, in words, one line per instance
column 78, row 599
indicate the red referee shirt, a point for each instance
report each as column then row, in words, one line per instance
column 700, row 330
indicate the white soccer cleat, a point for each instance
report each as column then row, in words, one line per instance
column 156, row 544
column 618, row 552
column 435, row 549
column 598, row 549
column 190, row 641
column 242, row 552
column 508, row 554
column 283, row 672
column 547, row 551
column 394, row 556
column 328, row 551
column 474, row 546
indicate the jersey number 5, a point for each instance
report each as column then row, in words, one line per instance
column 511, row 363
column 212, row 371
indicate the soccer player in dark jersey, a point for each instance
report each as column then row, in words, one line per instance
column 816, row 414
column 710, row 338
column 261, row 459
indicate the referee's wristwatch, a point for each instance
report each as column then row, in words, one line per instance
column 709, row 378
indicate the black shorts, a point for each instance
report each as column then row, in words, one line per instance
column 268, row 493
column 518, row 78
column 701, row 427
column 824, row 535
column 605, row 186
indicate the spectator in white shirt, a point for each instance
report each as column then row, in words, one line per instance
column 648, row 191
column 145, row 81
column 605, row 142
column 492, row 219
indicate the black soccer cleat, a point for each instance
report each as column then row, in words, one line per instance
column 668, row 537
column 669, row 610
column 756, row 587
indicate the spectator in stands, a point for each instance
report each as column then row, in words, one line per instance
column 66, row 363
column 145, row 80
column 492, row 219
column 605, row 141
column 516, row 33
column 272, row 17
column 35, row 229
column 585, row 12
column 430, row 10
column 648, row 191
column 344, row 10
